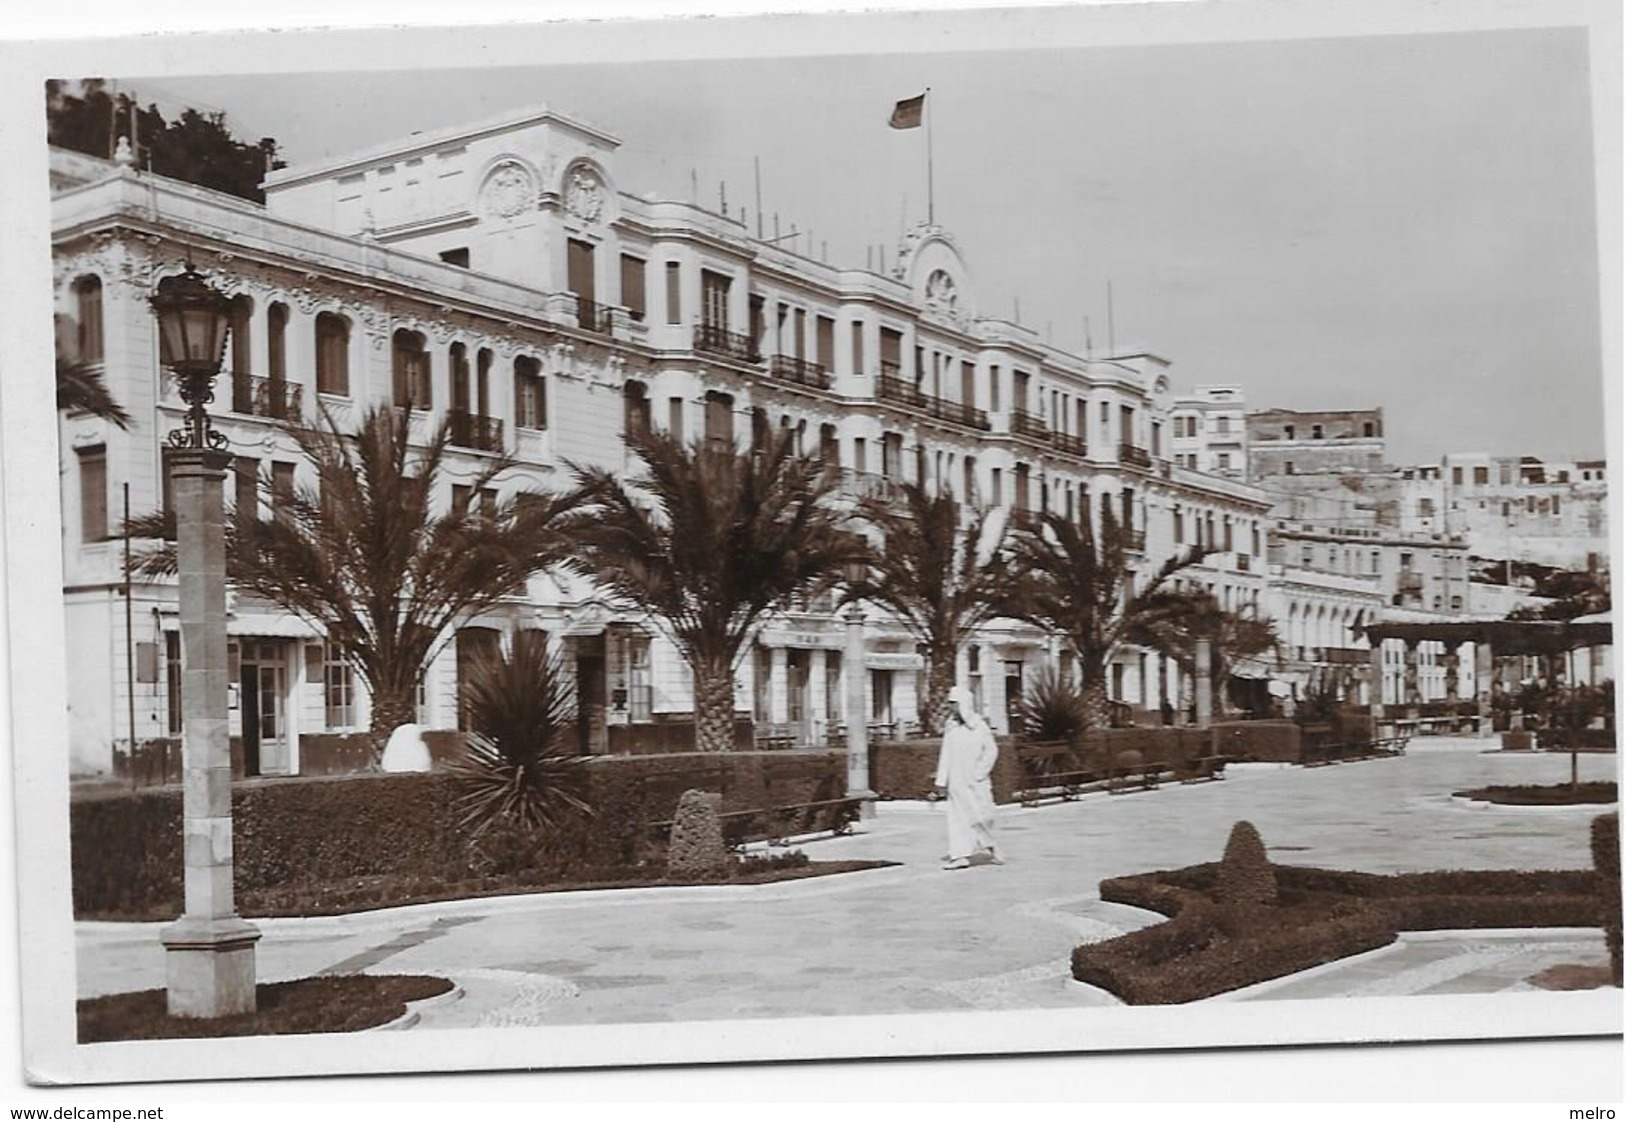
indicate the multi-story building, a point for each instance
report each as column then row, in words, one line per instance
column 1293, row 442
column 1319, row 618
column 1210, row 431
column 500, row 276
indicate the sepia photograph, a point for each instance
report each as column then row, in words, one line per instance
column 815, row 537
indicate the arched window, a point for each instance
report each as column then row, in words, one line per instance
column 637, row 421
column 87, row 297
column 332, row 354
column 242, row 368
column 410, row 368
column 530, row 394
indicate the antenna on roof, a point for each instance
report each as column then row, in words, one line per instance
column 722, row 197
column 1111, row 326
column 693, row 185
column 775, row 226
column 1088, row 340
column 757, row 161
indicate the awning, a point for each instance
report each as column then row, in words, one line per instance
column 264, row 625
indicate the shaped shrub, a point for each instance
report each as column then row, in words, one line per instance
column 1246, row 877
column 697, row 851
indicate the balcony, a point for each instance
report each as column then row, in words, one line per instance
column 894, row 389
column 272, row 398
column 1345, row 656
column 800, row 371
column 592, row 316
column 715, row 339
column 868, row 485
column 1069, row 444
column 1134, row 540
column 1030, row 425
column 1410, row 583
column 470, row 430
column 1134, row 454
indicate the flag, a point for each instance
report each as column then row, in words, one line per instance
column 908, row 113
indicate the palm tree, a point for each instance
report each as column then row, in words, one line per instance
column 1232, row 636
column 1081, row 587
column 366, row 555
column 938, row 568
column 709, row 542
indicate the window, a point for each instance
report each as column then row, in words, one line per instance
column 1289, row 470
column 1224, row 461
column 829, row 446
column 634, row 287
column 245, row 493
column 281, row 490
column 674, row 418
column 242, row 385
column 1557, row 505
column 93, row 494
column 276, row 342
column 636, row 420
column 714, row 299
column 458, row 256
column 580, row 277
column 674, row 292
column 1290, row 431
column 332, row 354
column 1318, row 432
column 970, row 479
column 338, row 682
column 1223, row 426
column 1424, row 508
column 891, row 351
column 1529, row 504
column 529, row 394
column 1455, row 477
column 87, row 297
column 719, row 422
column 1179, row 526
column 857, row 349
column 997, row 488
column 1481, row 476
column 824, row 340
column 411, row 371
column 1370, row 428
column 172, row 682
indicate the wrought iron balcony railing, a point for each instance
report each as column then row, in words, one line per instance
column 1133, row 454
column 592, row 316
column 273, row 398
column 890, row 388
column 800, row 371
column 1134, row 540
column 1071, row 445
column 715, row 339
column 470, row 430
column 1030, row 425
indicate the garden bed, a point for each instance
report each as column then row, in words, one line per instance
column 1554, row 794
column 343, row 1003
column 1320, row 915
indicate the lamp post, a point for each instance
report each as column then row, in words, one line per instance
column 209, row 951
column 857, row 727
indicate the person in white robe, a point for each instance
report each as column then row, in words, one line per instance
column 964, row 776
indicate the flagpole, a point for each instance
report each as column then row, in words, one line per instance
column 930, row 192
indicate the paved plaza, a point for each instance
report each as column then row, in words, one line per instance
column 914, row 938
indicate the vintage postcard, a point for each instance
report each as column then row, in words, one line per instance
column 814, row 536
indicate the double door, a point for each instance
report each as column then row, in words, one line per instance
column 262, row 683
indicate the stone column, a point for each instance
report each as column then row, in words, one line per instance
column 209, row 951
column 1204, row 683
column 1413, row 692
column 1374, row 697
column 857, row 717
column 818, row 695
column 1484, row 683
column 778, row 685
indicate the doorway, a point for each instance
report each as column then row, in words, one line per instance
column 262, row 681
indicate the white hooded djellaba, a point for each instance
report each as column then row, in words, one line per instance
column 964, row 773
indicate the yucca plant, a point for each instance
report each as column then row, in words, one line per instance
column 521, row 771
column 1052, row 708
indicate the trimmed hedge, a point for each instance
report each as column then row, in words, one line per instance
column 1605, row 855
column 906, row 769
column 301, row 834
column 1554, row 794
column 1323, row 915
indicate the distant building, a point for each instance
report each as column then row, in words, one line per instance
column 1210, row 431
column 1294, row 442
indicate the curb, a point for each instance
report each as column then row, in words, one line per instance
column 414, row 1010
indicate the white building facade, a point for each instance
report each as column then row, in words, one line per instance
column 498, row 275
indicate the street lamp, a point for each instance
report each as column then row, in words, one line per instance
column 857, row 727
column 209, row 951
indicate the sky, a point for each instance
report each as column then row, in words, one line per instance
column 1402, row 221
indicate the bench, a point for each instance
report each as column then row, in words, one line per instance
column 1203, row 769
column 775, row 737
column 1050, row 770
column 781, row 821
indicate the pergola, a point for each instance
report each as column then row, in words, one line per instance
column 1491, row 639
